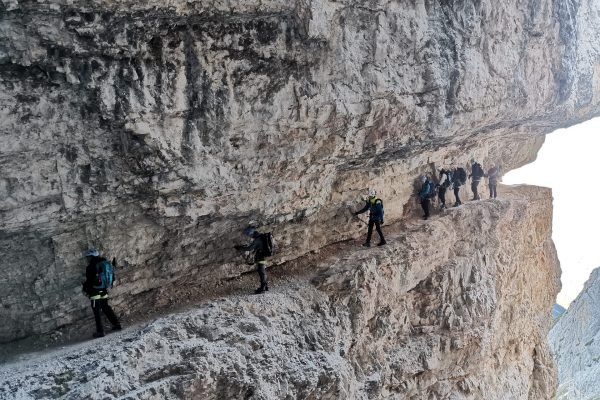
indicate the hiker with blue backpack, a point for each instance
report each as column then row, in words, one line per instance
column 426, row 193
column 100, row 276
column 262, row 246
column 374, row 205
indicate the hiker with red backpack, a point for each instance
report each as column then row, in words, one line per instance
column 262, row 246
column 99, row 276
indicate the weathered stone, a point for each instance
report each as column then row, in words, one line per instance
column 423, row 317
column 575, row 342
column 156, row 130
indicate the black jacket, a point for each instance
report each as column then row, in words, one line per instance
column 91, row 278
column 257, row 246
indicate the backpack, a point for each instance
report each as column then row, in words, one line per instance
column 104, row 275
column 432, row 190
column 461, row 175
column 477, row 170
column 269, row 246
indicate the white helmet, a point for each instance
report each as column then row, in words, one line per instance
column 372, row 193
column 423, row 178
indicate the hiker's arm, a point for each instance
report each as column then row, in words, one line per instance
column 364, row 209
column 254, row 245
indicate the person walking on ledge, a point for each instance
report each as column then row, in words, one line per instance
column 99, row 276
column 374, row 205
column 263, row 246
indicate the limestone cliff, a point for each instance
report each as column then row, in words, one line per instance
column 456, row 307
column 156, row 130
column 575, row 342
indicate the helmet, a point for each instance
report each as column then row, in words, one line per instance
column 423, row 178
column 372, row 193
column 250, row 231
column 91, row 253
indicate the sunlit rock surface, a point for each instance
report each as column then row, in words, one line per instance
column 453, row 308
column 575, row 342
column 156, row 130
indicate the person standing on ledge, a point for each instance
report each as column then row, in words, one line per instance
column 99, row 277
column 445, row 183
column 459, row 178
column 262, row 246
column 426, row 192
column 475, row 176
column 375, row 207
column 493, row 174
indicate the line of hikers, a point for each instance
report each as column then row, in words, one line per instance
column 100, row 272
column 455, row 178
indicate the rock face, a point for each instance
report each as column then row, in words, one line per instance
column 575, row 342
column 449, row 310
column 155, row 131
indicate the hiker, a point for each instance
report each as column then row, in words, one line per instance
column 493, row 175
column 445, row 183
column 459, row 178
column 99, row 277
column 426, row 193
column 475, row 176
column 375, row 207
column 260, row 247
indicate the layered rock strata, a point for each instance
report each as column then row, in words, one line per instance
column 155, row 131
column 575, row 342
column 454, row 308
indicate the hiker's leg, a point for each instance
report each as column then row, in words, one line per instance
column 370, row 230
column 456, row 191
column 96, row 308
column 426, row 204
column 495, row 192
column 491, row 191
column 110, row 314
column 442, row 196
column 262, row 274
column 379, row 231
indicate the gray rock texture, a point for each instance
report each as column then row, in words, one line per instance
column 156, row 130
column 450, row 309
column 575, row 342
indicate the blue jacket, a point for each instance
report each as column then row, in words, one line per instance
column 425, row 189
column 375, row 207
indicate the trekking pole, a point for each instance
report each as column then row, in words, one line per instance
column 357, row 217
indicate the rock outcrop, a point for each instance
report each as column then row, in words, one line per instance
column 156, row 130
column 575, row 342
column 450, row 309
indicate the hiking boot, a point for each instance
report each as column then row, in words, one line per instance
column 261, row 290
column 382, row 243
column 98, row 334
column 367, row 244
column 117, row 328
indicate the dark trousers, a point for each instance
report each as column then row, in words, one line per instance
column 370, row 230
column 261, row 268
column 456, row 190
column 442, row 196
column 493, row 193
column 102, row 304
column 425, row 203
column 474, row 185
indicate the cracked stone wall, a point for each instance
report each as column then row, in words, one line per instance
column 155, row 131
column 434, row 315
